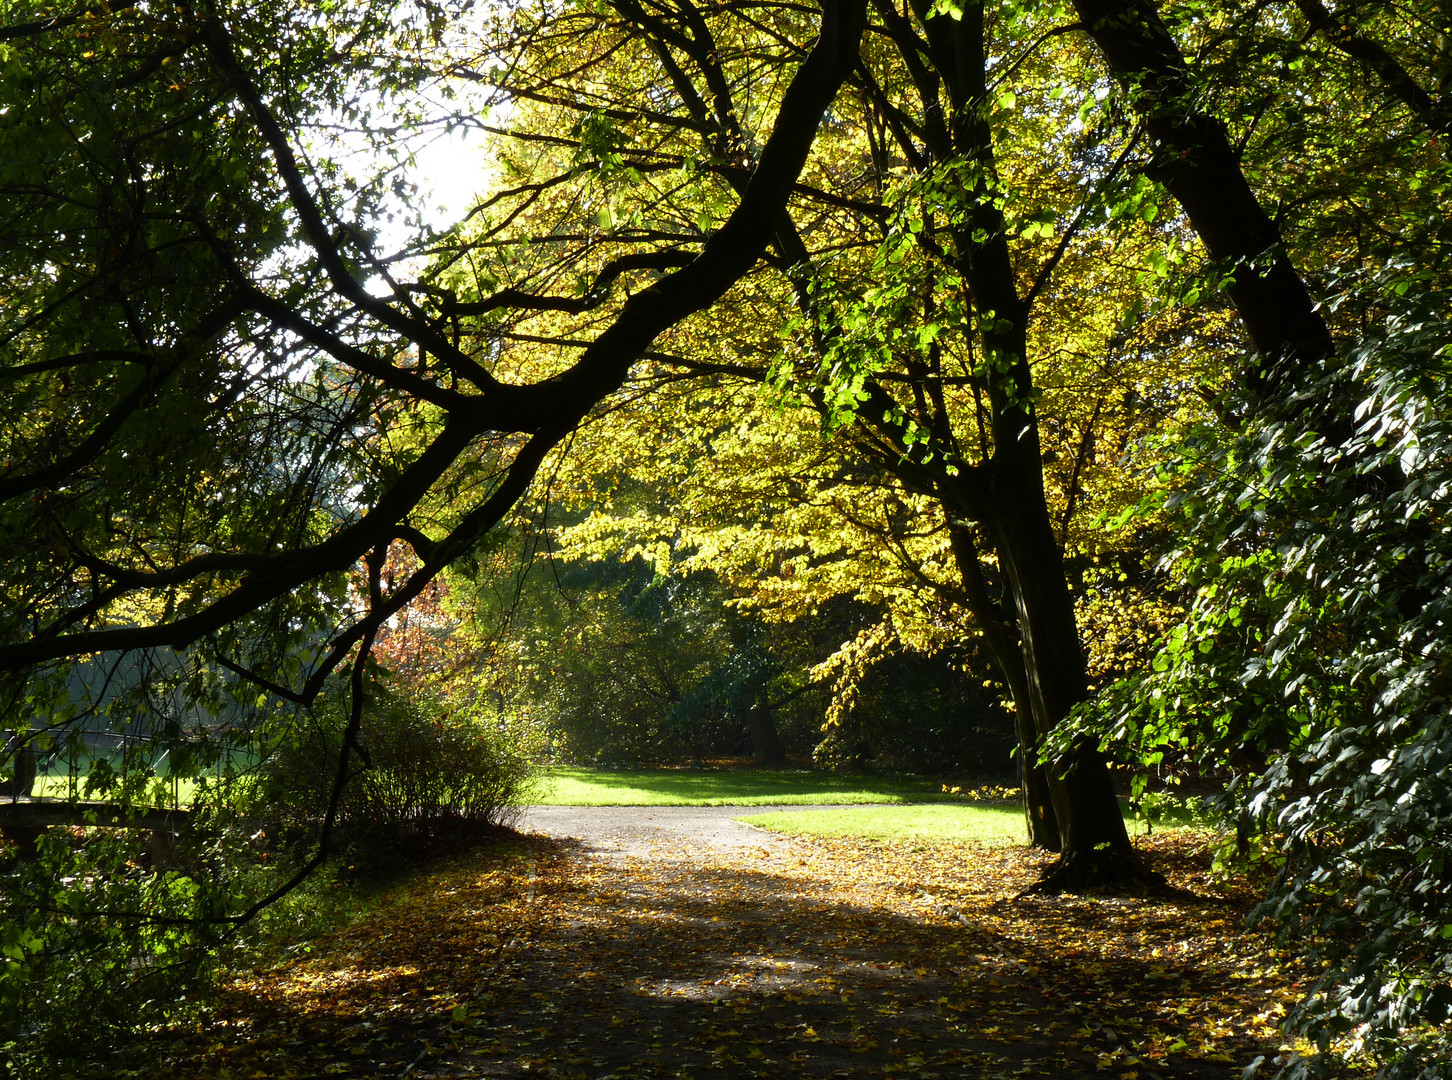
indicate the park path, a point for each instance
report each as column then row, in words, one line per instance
column 654, row 832
column 682, row 943
column 688, row 944
column 654, row 943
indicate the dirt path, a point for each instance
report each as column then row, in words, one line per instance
column 698, row 946
column 675, row 832
column 686, row 944
column 675, row 943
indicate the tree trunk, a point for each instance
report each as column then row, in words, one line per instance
column 21, row 752
column 1042, row 663
column 1095, row 848
column 1038, row 798
column 1195, row 162
column 1002, row 637
column 1094, row 844
column 766, row 744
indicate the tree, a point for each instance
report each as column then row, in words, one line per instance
column 903, row 256
column 917, row 297
column 222, row 396
column 207, row 300
column 944, row 244
column 714, row 85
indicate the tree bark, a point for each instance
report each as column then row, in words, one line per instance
column 21, row 752
column 1095, row 848
column 1195, row 162
column 1094, row 844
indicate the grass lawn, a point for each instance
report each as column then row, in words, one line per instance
column 59, row 787
column 724, row 787
column 990, row 826
column 58, row 784
column 996, row 824
column 53, row 787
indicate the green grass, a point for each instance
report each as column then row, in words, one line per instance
column 57, row 783
column 990, row 826
column 48, row 786
column 183, row 792
column 723, row 787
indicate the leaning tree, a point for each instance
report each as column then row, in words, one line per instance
column 225, row 402
column 221, row 394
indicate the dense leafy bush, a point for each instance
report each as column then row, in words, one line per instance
column 1314, row 669
column 422, row 767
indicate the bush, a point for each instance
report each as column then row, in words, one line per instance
column 1314, row 668
column 422, row 768
column 95, row 944
column 98, row 940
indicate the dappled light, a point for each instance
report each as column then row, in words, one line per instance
column 1019, row 433
column 823, row 958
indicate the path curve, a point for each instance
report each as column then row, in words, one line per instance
column 654, row 943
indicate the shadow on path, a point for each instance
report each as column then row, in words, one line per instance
column 643, row 952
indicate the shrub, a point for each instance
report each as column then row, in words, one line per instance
column 421, row 768
column 95, row 945
column 1314, row 667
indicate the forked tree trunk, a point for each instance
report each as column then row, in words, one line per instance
column 1094, row 844
column 1040, row 657
column 1071, row 804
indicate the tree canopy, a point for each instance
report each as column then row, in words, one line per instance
column 899, row 303
column 210, row 299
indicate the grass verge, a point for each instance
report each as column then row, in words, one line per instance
column 987, row 826
column 724, row 787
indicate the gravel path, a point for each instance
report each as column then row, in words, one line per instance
column 653, row 831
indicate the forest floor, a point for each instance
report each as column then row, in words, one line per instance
column 683, row 945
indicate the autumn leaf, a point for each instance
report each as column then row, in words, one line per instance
column 823, row 958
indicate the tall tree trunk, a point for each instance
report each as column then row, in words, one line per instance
column 1095, row 847
column 1195, row 162
column 1094, row 844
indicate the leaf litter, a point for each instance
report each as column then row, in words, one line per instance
column 815, row 958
